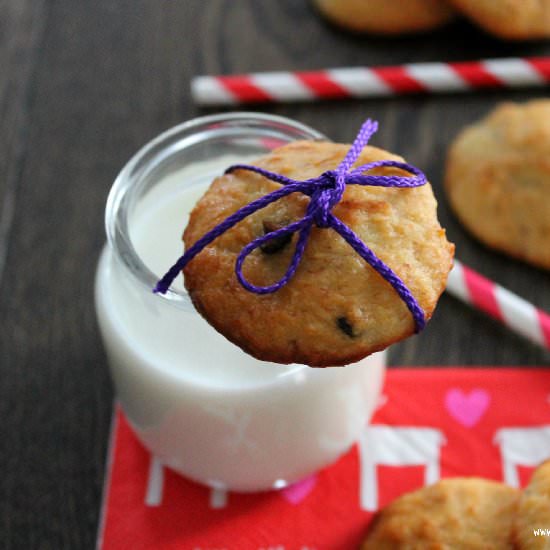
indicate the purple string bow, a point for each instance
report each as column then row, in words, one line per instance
column 325, row 191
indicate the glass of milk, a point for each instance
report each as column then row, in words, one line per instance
column 199, row 403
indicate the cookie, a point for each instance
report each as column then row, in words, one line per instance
column 509, row 19
column 336, row 309
column 386, row 17
column 453, row 514
column 498, row 180
column 534, row 512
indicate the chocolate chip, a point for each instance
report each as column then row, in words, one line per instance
column 345, row 326
column 278, row 243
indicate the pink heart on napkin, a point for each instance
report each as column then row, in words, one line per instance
column 467, row 408
column 298, row 491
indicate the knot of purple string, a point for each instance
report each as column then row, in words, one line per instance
column 325, row 191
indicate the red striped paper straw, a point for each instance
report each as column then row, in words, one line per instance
column 515, row 312
column 356, row 82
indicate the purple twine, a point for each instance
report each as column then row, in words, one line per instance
column 325, row 191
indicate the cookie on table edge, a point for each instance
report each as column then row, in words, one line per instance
column 534, row 511
column 336, row 309
column 383, row 17
column 509, row 19
column 458, row 513
column 497, row 180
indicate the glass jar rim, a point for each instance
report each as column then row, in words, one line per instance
column 116, row 223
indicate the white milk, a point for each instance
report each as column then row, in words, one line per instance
column 198, row 402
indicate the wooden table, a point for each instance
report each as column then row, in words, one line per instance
column 82, row 86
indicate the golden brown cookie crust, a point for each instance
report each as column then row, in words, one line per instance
column 534, row 511
column 509, row 19
column 386, row 16
column 498, row 180
column 454, row 514
column 307, row 320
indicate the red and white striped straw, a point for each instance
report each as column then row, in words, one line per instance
column 356, row 82
column 515, row 312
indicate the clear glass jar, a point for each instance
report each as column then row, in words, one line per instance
column 196, row 401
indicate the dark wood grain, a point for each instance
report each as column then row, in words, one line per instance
column 21, row 27
column 82, row 86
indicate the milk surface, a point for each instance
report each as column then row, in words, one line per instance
column 156, row 232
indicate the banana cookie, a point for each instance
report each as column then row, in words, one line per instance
column 509, row 19
column 453, row 514
column 336, row 309
column 383, row 17
column 534, row 512
column 498, row 180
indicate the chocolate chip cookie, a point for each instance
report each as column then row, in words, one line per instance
column 498, row 180
column 336, row 309
column 509, row 19
column 534, row 512
column 386, row 17
column 453, row 514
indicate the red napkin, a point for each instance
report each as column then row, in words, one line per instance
column 430, row 424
